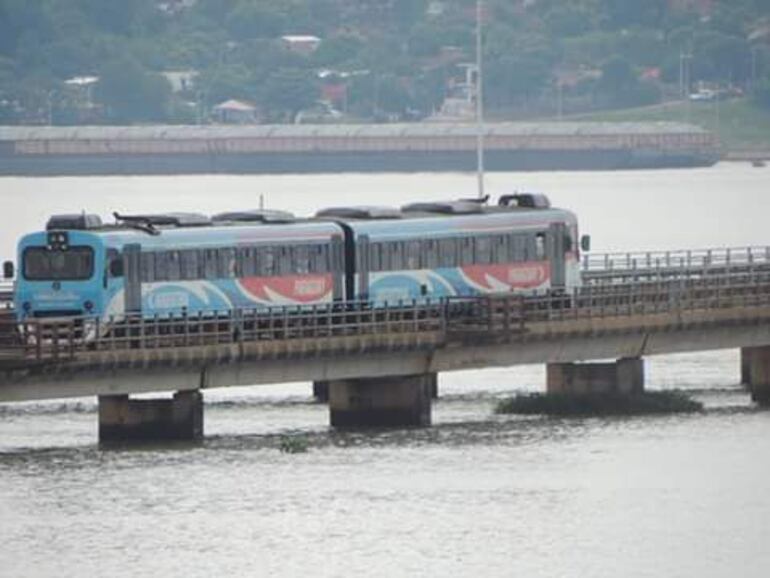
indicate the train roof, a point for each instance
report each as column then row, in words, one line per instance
column 201, row 237
column 493, row 219
column 360, row 212
column 254, row 216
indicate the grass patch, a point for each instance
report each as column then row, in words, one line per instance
column 293, row 445
column 740, row 124
column 599, row 404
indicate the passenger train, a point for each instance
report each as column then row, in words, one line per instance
column 165, row 265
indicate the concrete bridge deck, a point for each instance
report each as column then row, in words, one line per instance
column 51, row 359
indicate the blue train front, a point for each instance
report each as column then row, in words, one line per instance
column 177, row 263
column 173, row 264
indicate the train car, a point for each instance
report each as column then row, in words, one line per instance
column 165, row 265
column 460, row 248
column 172, row 264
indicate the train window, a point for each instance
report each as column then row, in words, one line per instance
column 210, row 263
column 395, row 251
column 447, row 252
column 283, row 260
column 115, row 270
column 147, row 267
column 271, row 261
column 41, row 264
column 430, row 254
column 518, row 248
column 499, row 249
column 226, row 262
column 412, row 255
column 319, row 259
column 172, row 267
column 540, row 247
column 529, row 248
column 247, row 262
column 301, row 260
column 466, row 251
column 483, row 250
column 189, row 264
column 375, row 257
column 160, row 266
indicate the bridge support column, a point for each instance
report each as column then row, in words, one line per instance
column 321, row 391
column 748, row 354
column 622, row 376
column 124, row 419
column 755, row 363
column 394, row 401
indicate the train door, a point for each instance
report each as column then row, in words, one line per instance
column 132, row 278
column 337, row 267
column 363, row 267
column 557, row 237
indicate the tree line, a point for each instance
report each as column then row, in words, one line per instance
column 387, row 59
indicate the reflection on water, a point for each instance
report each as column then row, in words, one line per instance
column 475, row 495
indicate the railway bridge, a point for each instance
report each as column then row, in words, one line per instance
column 379, row 365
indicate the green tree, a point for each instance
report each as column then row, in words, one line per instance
column 729, row 57
column 761, row 93
column 253, row 19
column 619, row 85
column 337, row 50
column 286, row 91
column 630, row 13
column 130, row 93
column 226, row 82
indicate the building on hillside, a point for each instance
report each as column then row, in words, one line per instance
column 460, row 102
column 181, row 80
column 235, row 112
column 301, row 44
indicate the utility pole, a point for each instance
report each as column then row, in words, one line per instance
column 479, row 104
column 684, row 80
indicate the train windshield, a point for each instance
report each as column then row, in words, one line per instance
column 73, row 264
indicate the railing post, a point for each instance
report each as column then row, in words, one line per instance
column 38, row 341
column 71, row 331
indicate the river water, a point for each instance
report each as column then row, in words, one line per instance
column 474, row 495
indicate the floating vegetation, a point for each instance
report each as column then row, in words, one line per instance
column 599, row 404
column 293, row 445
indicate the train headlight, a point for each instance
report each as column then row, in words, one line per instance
column 58, row 241
column 89, row 305
column 26, row 306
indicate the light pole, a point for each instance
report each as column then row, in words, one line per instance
column 479, row 104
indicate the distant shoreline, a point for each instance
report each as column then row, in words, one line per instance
column 416, row 147
column 738, row 155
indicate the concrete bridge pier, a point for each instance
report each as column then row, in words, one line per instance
column 393, row 401
column 622, row 376
column 321, row 391
column 123, row 419
column 321, row 388
column 755, row 373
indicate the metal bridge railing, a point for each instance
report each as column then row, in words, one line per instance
column 60, row 339
column 6, row 294
column 463, row 320
column 510, row 314
column 673, row 263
